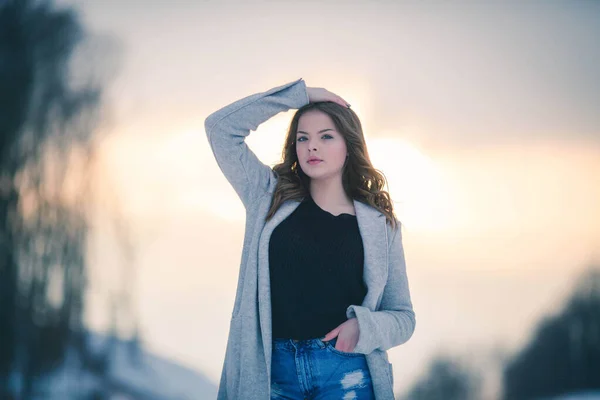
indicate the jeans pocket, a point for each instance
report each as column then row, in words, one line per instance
column 330, row 345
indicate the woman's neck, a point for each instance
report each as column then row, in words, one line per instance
column 331, row 196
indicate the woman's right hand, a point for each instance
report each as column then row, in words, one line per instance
column 316, row 94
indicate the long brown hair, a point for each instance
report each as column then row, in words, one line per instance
column 360, row 180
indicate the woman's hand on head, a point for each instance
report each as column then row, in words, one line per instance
column 316, row 94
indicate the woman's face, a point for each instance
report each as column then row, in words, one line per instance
column 317, row 136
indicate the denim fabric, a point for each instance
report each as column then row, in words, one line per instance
column 315, row 370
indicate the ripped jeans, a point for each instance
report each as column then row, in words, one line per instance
column 315, row 370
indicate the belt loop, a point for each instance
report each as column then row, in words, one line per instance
column 321, row 343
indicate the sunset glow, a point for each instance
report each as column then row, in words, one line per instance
column 422, row 198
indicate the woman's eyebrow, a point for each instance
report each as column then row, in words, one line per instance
column 321, row 131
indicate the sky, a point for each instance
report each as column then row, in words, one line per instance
column 483, row 117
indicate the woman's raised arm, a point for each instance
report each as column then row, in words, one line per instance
column 228, row 127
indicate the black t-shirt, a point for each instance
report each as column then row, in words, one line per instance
column 316, row 269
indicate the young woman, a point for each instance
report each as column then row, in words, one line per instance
column 322, row 290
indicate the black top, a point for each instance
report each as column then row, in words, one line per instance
column 316, row 270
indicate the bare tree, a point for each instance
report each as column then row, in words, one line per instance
column 47, row 126
column 446, row 379
column 564, row 353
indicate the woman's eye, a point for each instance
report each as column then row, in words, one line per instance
column 303, row 137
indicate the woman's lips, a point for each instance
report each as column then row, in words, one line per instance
column 313, row 162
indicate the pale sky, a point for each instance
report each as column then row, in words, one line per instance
column 483, row 118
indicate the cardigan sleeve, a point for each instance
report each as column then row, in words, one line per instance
column 228, row 127
column 394, row 323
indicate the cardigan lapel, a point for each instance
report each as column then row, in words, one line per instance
column 373, row 231
column 264, row 279
column 372, row 227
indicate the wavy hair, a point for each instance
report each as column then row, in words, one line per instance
column 360, row 180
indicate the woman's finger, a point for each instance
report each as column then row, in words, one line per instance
column 341, row 101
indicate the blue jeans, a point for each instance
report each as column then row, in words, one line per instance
column 315, row 370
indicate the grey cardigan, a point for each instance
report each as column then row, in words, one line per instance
column 385, row 318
